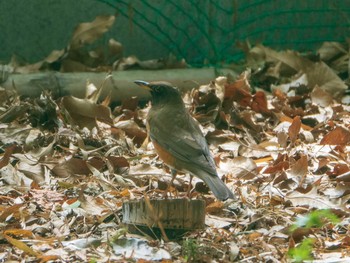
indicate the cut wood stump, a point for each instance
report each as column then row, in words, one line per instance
column 166, row 218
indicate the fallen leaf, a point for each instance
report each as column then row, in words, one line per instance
column 338, row 136
column 330, row 50
column 321, row 97
column 319, row 74
column 71, row 167
column 300, row 169
column 259, row 103
column 214, row 207
column 239, row 90
column 294, row 129
column 19, row 244
column 241, row 167
column 85, row 113
column 87, row 33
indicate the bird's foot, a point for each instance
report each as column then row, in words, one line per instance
column 171, row 188
column 190, row 189
column 170, row 191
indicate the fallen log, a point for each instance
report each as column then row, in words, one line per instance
column 120, row 85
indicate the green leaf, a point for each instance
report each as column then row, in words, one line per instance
column 317, row 218
column 303, row 251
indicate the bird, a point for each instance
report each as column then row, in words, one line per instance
column 177, row 137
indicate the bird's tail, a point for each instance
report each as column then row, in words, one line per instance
column 218, row 187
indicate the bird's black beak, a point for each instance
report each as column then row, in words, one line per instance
column 143, row 84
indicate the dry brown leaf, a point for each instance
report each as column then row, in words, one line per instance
column 9, row 150
column 87, row 33
column 214, row 208
column 279, row 167
column 321, row 97
column 290, row 58
column 54, row 56
column 120, row 164
column 283, row 118
column 294, row 129
column 319, row 74
column 85, row 113
column 71, row 167
column 330, row 50
column 336, row 55
column 300, row 169
column 338, row 136
column 132, row 130
column 338, row 169
column 239, row 91
column 13, row 211
column 259, row 103
column 343, row 177
column 282, row 89
column 313, row 199
column 19, row 244
column 246, row 118
column 241, row 167
column 34, row 172
column 282, row 138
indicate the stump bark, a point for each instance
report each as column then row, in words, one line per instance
column 169, row 218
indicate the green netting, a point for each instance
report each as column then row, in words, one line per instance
column 208, row 30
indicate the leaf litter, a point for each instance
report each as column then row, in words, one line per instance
column 279, row 134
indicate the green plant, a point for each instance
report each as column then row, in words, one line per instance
column 190, row 249
column 303, row 251
column 315, row 219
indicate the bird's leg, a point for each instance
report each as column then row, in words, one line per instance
column 189, row 187
column 173, row 175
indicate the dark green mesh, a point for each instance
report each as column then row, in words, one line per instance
column 208, row 30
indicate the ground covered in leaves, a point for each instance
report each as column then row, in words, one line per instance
column 279, row 132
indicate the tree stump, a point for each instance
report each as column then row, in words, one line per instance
column 167, row 218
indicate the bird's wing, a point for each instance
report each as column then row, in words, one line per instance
column 184, row 141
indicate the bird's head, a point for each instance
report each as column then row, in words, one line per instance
column 161, row 92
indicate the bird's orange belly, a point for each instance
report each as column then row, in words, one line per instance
column 166, row 157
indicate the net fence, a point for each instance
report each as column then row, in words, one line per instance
column 207, row 31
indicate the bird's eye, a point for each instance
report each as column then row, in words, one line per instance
column 156, row 88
